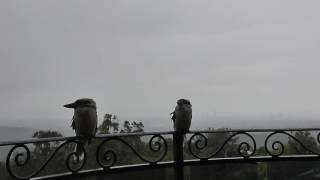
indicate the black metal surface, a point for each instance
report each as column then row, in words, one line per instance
column 195, row 162
column 111, row 170
column 178, row 155
column 197, row 142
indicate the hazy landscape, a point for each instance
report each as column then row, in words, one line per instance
column 9, row 133
column 151, row 124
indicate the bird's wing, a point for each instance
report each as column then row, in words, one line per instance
column 173, row 116
column 188, row 122
column 96, row 127
column 189, row 112
column 73, row 124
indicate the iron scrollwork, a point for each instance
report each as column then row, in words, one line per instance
column 19, row 155
column 111, row 149
column 200, row 142
column 22, row 159
column 157, row 144
column 277, row 147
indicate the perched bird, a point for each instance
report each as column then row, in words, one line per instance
column 182, row 116
column 84, row 121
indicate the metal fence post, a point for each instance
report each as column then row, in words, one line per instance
column 178, row 155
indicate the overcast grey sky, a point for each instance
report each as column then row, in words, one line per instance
column 137, row 57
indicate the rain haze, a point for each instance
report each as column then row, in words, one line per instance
column 136, row 58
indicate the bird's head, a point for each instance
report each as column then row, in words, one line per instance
column 84, row 102
column 182, row 102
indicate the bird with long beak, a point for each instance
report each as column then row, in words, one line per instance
column 84, row 121
column 182, row 116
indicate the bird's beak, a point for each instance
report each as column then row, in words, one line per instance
column 72, row 105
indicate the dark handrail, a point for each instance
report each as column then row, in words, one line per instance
column 98, row 136
column 254, row 130
column 42, row 140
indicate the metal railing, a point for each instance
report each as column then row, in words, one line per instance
column 191, row 149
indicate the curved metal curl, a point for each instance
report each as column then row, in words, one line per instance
column 200, row 144
column 318, row 138
column 278, row 147
column 110, row 156
column 26, row 158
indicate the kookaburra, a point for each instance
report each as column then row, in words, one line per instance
column 182, row 116
column 84, row 121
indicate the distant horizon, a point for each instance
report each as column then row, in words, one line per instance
column 199, row 123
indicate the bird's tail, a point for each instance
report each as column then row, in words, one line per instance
column 178, row 141
column 184, row 132
column 80, row 148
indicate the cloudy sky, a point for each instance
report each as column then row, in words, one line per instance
column 136, row 57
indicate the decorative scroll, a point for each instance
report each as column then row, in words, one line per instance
column 157, row 144
column 278, row 148
column 200, row 142
column 107, row 153
column 22, row 159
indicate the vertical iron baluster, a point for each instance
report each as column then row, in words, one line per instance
column 178, row 155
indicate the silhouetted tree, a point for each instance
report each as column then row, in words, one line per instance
column 127, row 128
column 109, row 125
column 138, row 127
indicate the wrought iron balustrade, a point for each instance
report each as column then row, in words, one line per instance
column 164, row 149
